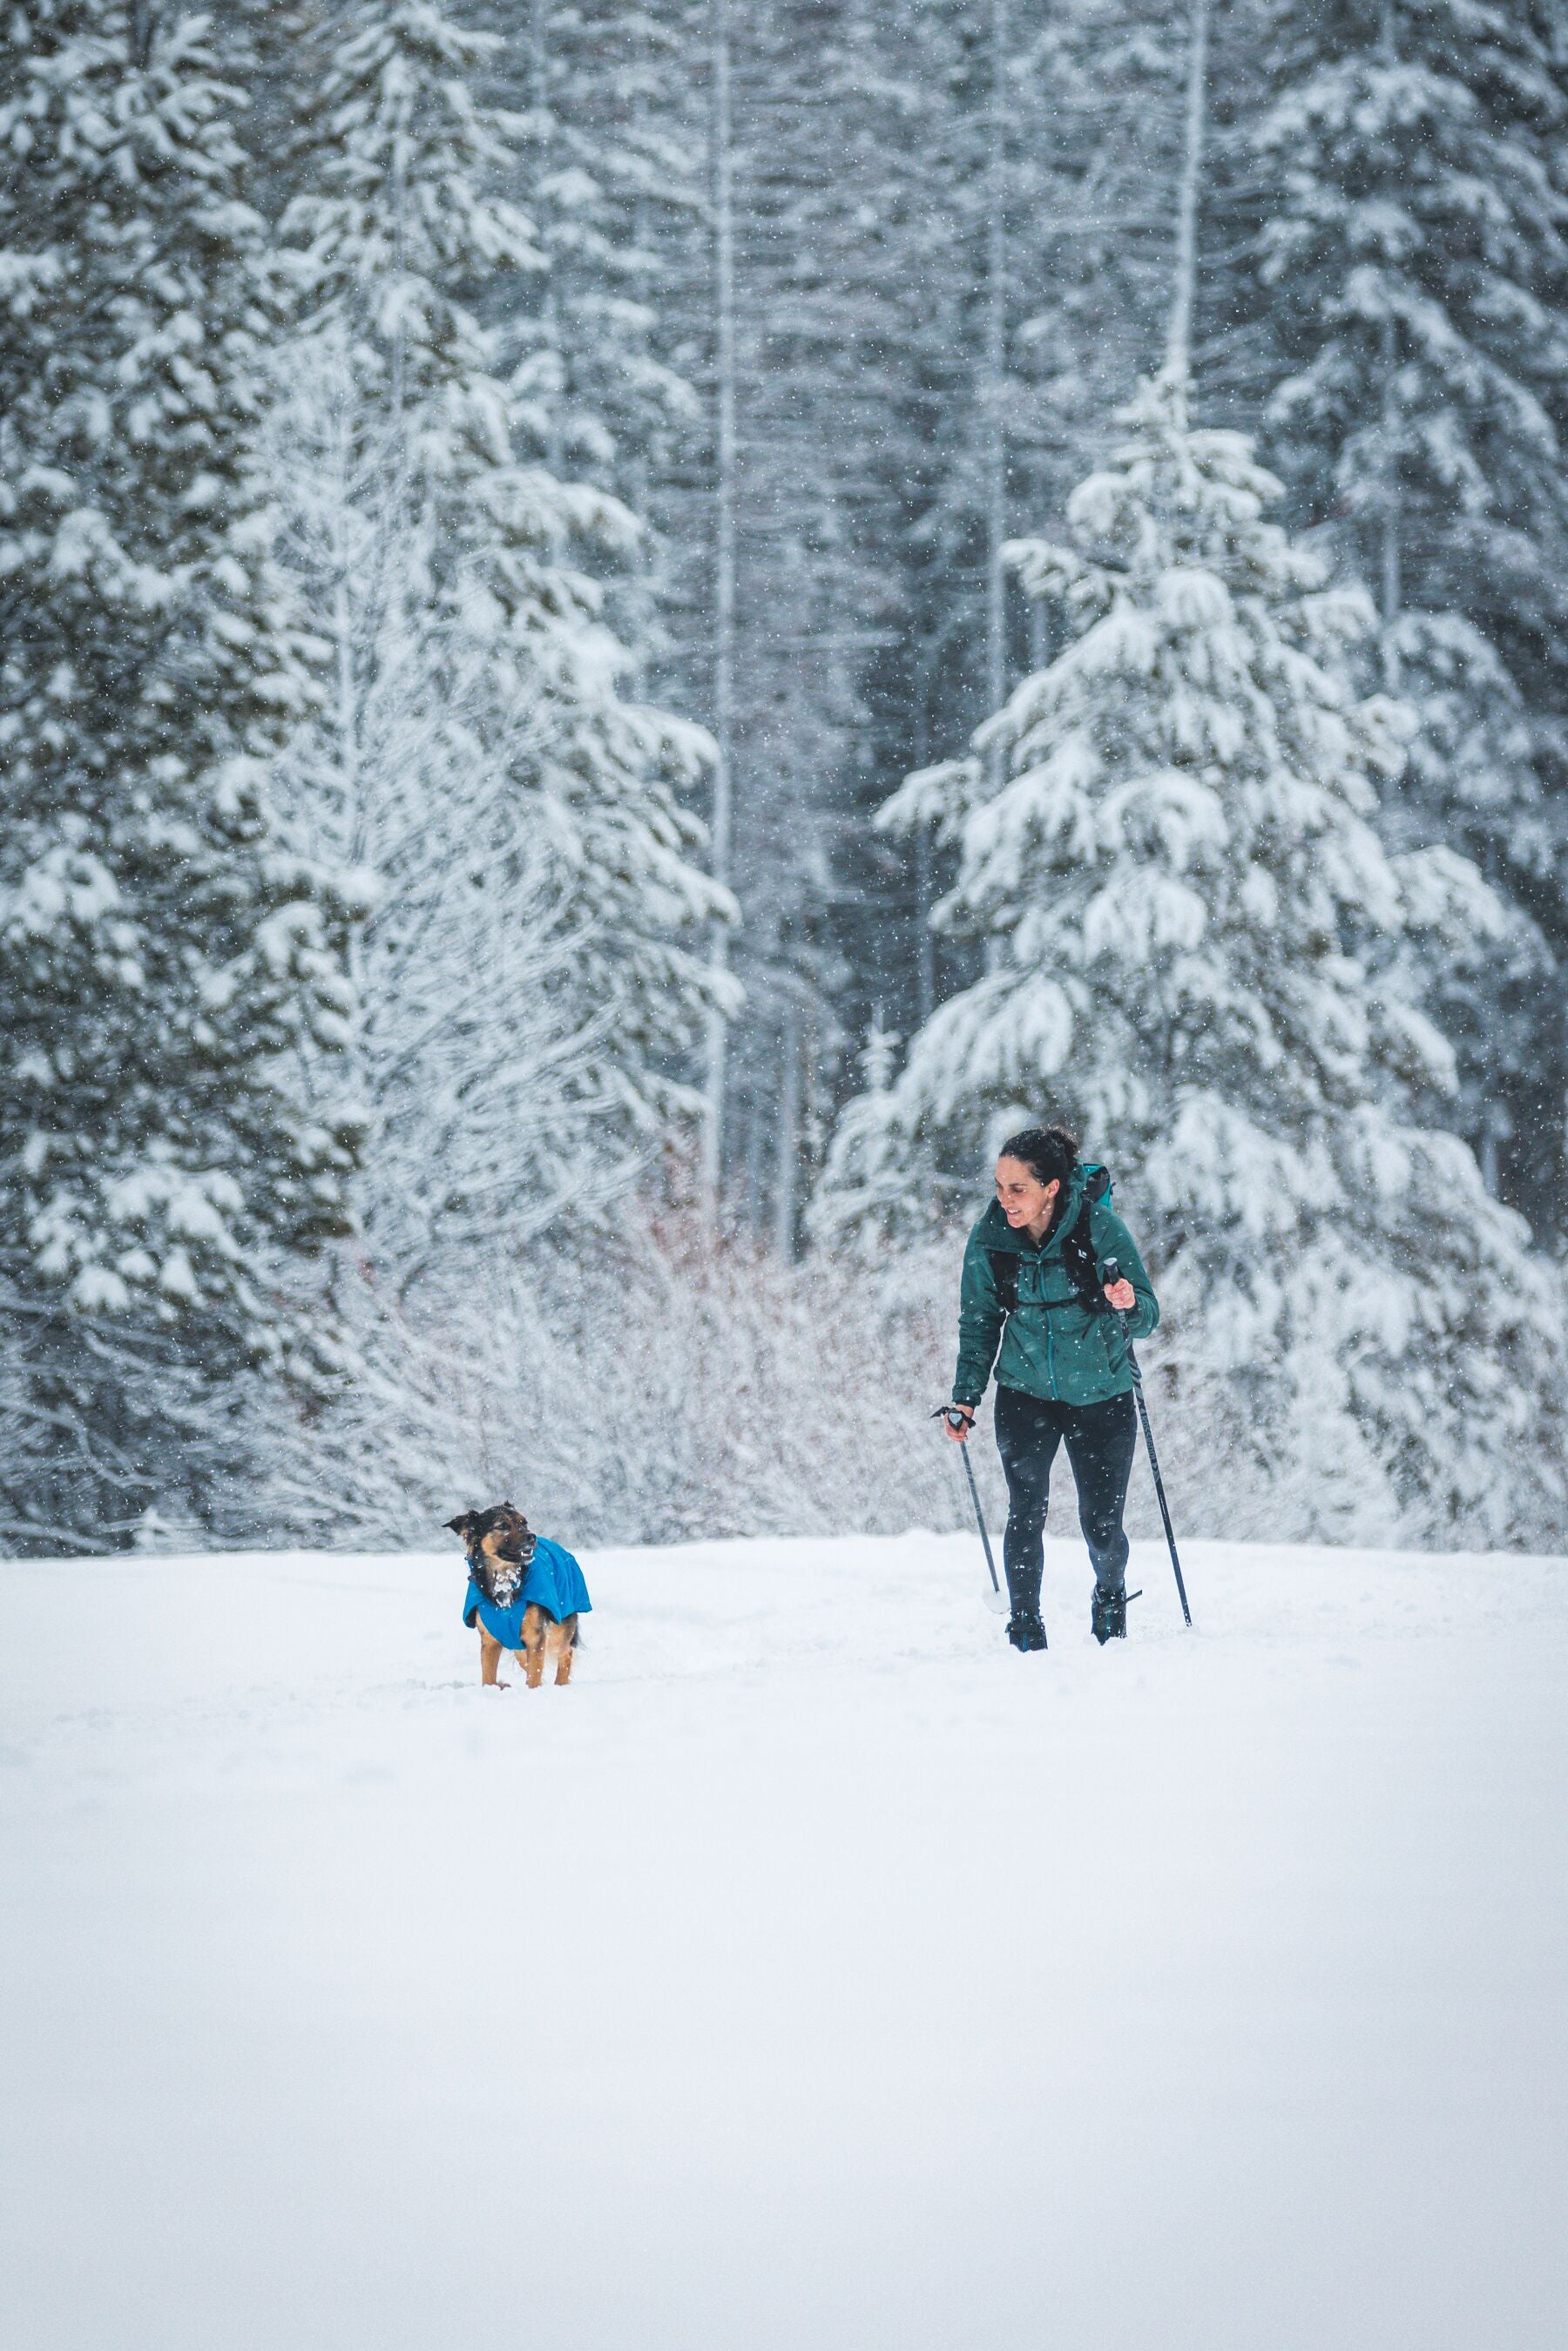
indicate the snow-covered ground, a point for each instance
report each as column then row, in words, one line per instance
column 813, row 1973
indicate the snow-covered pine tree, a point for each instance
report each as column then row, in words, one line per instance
column 533, row 967
column 1198, row 952
column 602, row 176
column 167, row 969
column 1413, row 279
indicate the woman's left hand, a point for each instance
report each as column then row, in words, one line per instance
column 1121, row 1295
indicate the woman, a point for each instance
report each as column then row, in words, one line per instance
column 1033, row 1279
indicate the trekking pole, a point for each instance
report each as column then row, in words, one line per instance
column 958, row 1420
column 1113, row 1275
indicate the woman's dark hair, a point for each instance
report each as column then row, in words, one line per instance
column 1049, row 1153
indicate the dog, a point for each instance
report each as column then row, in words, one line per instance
column 525, row 1591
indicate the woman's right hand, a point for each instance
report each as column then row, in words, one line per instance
column 958, row 1433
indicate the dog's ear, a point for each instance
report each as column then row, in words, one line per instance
column 460, row 1526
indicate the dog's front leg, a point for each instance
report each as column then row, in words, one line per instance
column 489, row 1661
column 534, row 1644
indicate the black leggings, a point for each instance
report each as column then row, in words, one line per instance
column 1102, row 1439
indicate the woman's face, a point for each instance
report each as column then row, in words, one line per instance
column 1025, row 1199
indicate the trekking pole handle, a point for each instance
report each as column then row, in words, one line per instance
column 1113, row 1276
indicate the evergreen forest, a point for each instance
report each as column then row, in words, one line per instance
column 630, row 629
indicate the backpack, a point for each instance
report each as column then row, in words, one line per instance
column 1077, row 1254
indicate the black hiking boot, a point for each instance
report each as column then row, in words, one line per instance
column 1025, row 1630
column 1108, row 1614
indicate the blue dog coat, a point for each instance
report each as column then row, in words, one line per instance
column 552, row 1581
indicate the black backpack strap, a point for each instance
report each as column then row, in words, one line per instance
column 1078, row 1256
column 1005, row 1276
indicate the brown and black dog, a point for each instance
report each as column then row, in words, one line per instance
column 500, row 1544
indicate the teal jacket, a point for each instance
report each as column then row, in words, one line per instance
column 1052, row 1345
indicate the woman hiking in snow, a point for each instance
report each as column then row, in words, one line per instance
column 1033, row 1281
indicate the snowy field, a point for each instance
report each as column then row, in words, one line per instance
column 812, row 1973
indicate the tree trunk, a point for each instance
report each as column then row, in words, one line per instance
column 724, row 567
column 994, row 399
column 1184, row 294
column 787, row 1185
column 1391, row 582
column 995, row 367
